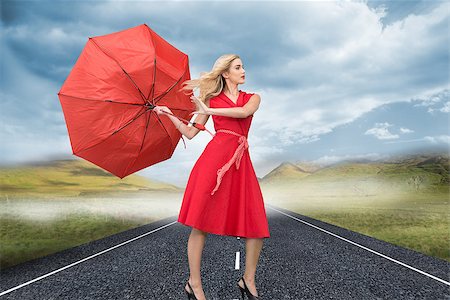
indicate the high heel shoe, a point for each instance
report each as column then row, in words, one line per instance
column 190, row 294
column 247, row 291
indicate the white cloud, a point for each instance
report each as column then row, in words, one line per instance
column 56, row 38
column 326, row 64
column 32, row 125
column 405, row 141
column 347, row 66
column 438, row 139
column 331, row 159
column 433, row 101
column 381, row 132
column 445, row 108
column 406, row 130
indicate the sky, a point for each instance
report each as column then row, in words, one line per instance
column 338, row 79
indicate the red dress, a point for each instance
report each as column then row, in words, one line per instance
column 223, row 195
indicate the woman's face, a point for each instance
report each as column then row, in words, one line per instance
column 236, row 73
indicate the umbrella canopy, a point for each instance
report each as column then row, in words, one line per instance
column 109, row 96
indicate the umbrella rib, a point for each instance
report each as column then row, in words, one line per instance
column 140, row 148
column 166, row 92
column 101, row 100
column 143, row 139
column 162, row 125
column 117, row 130
column 130, row 121
column 145, row 133
column 153, row 83
column 152, row 90
column 135, row 85
column 131, row 96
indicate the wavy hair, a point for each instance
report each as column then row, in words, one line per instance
column 210, row 83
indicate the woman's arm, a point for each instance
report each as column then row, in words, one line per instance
column 191, row 130
column 188, row 131
column 238, row 112
column 234, row 112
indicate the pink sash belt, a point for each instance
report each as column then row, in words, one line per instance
column 243, row 144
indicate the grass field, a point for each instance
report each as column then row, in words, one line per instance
column 23, row 240
column 48, row 209
column 414, row 219
column 31, row 228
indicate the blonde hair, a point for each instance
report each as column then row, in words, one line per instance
column 211, row 83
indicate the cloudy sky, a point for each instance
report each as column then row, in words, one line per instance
column 338, row 79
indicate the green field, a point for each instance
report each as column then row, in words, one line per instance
column 24, row 240
column 41, row 226
column 70, row 178
column 422, row 224
column 400, row 204
column 44, row 210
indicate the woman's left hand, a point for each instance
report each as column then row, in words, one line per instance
column 201, row 107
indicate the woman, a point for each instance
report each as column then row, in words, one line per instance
column 223, row 195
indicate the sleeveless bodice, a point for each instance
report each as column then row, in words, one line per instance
column 239, row 125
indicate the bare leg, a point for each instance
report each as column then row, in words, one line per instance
column 196, row 243
column 252, row 250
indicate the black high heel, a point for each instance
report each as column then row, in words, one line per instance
column 247, row 291
column 190, row 294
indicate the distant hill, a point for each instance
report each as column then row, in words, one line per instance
column 308, row 166
column 414, row 170
column 284, row 171
column 71, row 177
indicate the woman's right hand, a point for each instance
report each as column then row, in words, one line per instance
column 161, row 109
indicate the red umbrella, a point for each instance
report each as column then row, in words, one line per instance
column 109, row 96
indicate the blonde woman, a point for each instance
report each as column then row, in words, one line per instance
column 223, row 195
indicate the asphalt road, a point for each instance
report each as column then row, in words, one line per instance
column 303, row 259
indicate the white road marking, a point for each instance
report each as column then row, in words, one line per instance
column 237, row 254
column 237, row 260
column 368, row 249
column 84, row 259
